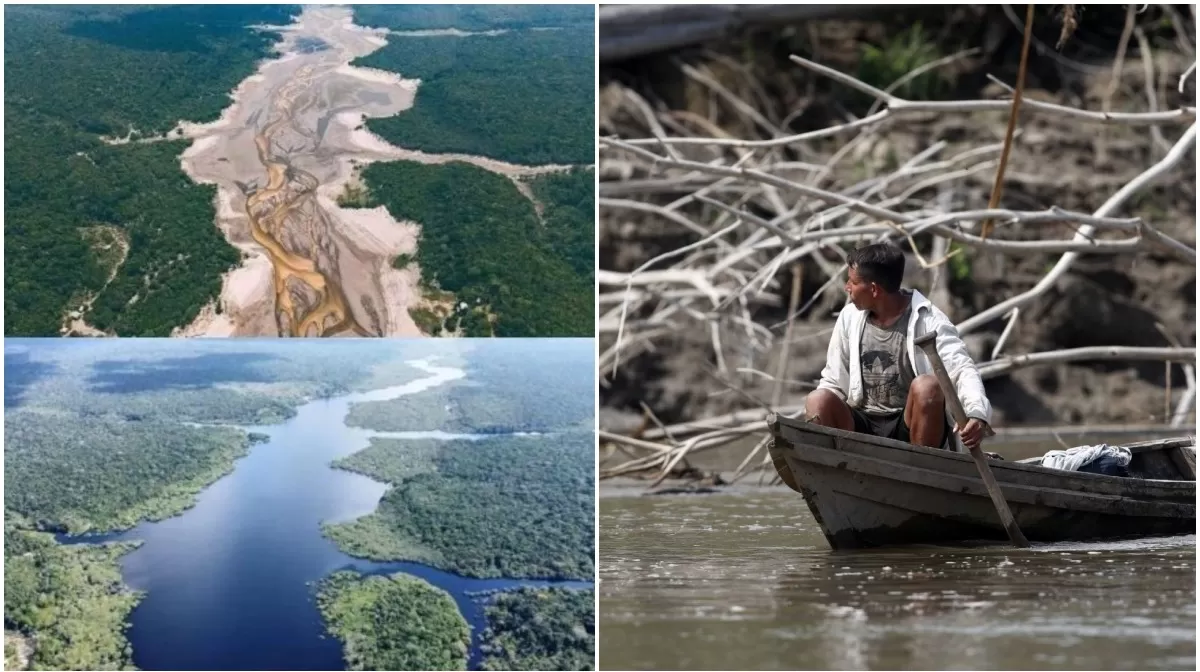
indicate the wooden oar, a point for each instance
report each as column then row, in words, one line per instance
column 928, row 343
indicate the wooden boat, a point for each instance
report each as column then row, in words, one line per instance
column 867, row 491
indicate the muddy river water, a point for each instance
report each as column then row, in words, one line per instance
column 744, row 580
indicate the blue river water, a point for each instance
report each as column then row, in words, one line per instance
column 229, row 583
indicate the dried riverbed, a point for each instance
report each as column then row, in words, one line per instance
column 280, row 155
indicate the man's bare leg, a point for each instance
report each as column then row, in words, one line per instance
column 925, row 412
column 827, row 409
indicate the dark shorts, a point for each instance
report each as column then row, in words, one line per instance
column 891, row 427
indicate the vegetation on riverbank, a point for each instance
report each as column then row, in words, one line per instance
column 429, row 410
column 475, row 224
column 78, row 474
column 66, row 604
column 569, row 217
column 499, row 507
column 540, row 629
column 467, row 409
column 396, row 622
column 513, row 389
column 524, row 97
column 75, row 75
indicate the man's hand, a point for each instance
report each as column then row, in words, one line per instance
column 972, row 434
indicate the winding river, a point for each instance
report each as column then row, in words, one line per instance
column 229, row 582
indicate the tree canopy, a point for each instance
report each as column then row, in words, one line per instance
column 396, row 622
column 72, row 75
column 475, row 228
column 540, row 629
column 525, row 96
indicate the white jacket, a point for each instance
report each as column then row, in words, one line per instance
column 843, row 368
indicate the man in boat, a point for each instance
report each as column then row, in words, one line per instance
column 875, row 380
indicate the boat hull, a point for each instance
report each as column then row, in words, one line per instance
column 866, row 492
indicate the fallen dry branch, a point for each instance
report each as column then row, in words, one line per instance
column 1008, row 364
column 1182, row 148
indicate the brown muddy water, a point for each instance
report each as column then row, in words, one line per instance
column 744, row 580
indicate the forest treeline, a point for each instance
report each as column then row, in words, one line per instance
column 74, row 74
column 472, row 409
column 511, row 386
column 77, row 473
column 513, row 507
column 482, row 240
column 526, row 96
column 569, row 217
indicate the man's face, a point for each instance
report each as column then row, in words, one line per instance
column 862, row 293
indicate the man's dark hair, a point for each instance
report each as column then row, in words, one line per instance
column 880, row 263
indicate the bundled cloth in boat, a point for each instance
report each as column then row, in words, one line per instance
column 1098, row 459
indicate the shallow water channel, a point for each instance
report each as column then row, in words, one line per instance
column 744, row 580
column 229, row 582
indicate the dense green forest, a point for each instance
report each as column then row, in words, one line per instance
column 72, row 597
column 74, row 74
column 251, row 404
column 540, row 629
column 524, row 97
column 481, row 240
column 504, row 506
column 129, row 471
column 569, row 214
column 497, row 507
column 397, row 622
column 511, row 386
column 473, row 17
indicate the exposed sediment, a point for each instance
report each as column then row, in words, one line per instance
column 275, row 155
column 280, row 156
